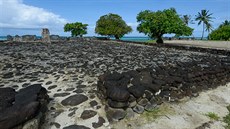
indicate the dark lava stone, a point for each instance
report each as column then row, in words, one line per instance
column 49, row 82
column 76, row 127
column 116, row 104
column 92, row 96
column 69, row 89
column 74, row 100
column 61, row 94
column 71, row 113
column 93, row 103
column 136, row 91
column 52, row 87
column 117, row 93
column 115, row 114
column 57, row 125
column 81, row 86
column 8, row 75
column 15, row 86
column 78, row 91
column 33, row 80
column 86, row 114
column 100, row 122
column 25, row 84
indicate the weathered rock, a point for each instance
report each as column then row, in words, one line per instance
column 74, row 100
column 61, row 94
column 115, row 114
column 100, row 122
column 46, row 35
column 118, row 93
column 86, row 114
column 76, row 127
column 130, row 113
column 7, row 97
column 143, row 102
column 138, row 109
column 116, row 104
column 28, row 103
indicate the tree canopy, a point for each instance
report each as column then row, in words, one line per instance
column 222, row 32
column 204, row 17
column 112, row 25
column 156, row 24
column 76, row 29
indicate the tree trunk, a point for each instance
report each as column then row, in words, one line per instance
column 159, row 40
column 202, row 32
column 116, row 37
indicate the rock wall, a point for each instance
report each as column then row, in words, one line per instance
column 144, row 89
column 23, row 109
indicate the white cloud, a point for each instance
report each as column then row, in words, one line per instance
column 16, row 14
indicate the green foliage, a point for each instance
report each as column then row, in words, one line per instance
column 222, row 33
column 156, row 24
column 76, row 29
column 227, row 118
column 112, row 25
column 212, row 116
column 204, row 17
column 225, row 23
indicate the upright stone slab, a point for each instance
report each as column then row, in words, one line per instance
column 46, row 35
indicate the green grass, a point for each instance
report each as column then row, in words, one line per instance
column 152, row 115
column 151, row 41
column 212, row 116
column 227, row 118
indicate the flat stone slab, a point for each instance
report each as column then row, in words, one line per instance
column 74, row 100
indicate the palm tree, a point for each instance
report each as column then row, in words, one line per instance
column 187, row 19
column 225, row 23
column 204, row 17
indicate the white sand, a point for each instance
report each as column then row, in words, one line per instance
column 188, row 114
column 206, row 44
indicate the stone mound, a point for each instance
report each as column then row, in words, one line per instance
column 144, row 89
column 17, row 108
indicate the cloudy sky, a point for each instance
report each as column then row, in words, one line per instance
column 29, row 16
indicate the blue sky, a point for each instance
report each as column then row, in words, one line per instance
column 29, row 16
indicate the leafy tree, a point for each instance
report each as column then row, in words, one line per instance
column 76, row 29
column 112, row 25
column 156, row 24
column 204, row 17
column 221, row 33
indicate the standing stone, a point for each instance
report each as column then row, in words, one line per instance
column 45, row 35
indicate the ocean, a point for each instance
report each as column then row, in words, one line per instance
column 137, row 39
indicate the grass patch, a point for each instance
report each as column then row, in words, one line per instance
column 212, row 116
column 161, row 111
column 151, row 115
column 227, row 118
column 151, row 41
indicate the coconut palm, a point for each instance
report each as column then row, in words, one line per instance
column 204, row 17
column 225, row 23
column 187, row 19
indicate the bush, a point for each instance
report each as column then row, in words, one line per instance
column 222, row 33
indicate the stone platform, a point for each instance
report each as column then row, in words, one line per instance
column 71, row 70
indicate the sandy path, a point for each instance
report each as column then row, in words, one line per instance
column 188, row 114
column 205, row 44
